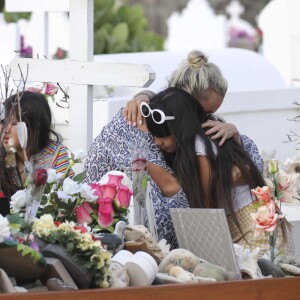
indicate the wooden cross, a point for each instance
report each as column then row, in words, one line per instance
column 81, row 72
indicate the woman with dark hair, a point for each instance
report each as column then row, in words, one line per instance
column 202, row 168
column 43, row 142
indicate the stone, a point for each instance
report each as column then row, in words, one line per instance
column 269, row 268
column 5, row 283
column 22, row 268
column 140, row 234
column 293, row 270
column 80, row 274
column 181, row 258
column 118, row 276
column 183, row 275
column 56, row 284
column 208, row 270
column 57, row 270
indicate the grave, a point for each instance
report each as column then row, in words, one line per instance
column 280, row 24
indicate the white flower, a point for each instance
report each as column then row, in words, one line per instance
column 63, row 196
column 70, row 186
column 87, row 192
column 53, row 176
column 4, row 228
column 18, row 200
column 79, row 155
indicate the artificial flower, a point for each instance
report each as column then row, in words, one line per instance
column 282, row 181
column 265, row 218
column 285, row 196
column 18, row 200
column 83, row 213
column 105, row 212
column 51, row 89
column 4, row 228
column 87, row 193
column 262, row 193
column 53, row 177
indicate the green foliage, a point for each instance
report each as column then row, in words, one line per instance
column 122, row 28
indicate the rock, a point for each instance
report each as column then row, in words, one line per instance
column 208, row 270
column 289, row 259
column 293, row 270
column 139, row 235
column 55, row 284
column 80, row 274
column 183, row 275
column 118, row 276
column 5, row 284
column 181, row 258
column 269, row 268
column 20, row 289
column 57, row 270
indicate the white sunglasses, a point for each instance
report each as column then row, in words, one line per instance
column 158, row 116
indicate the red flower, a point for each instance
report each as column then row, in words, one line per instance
column 2, row 194
column 40, row 177
column 57, row 223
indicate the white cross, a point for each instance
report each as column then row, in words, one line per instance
column 80, row 71
column 235, row 9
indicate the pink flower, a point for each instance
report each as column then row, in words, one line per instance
column 115, row 180
column 83, row 213
column 51, row 89
column 34, row 89
column 283, row 181
column 262, row 193
column 285, row 196
column 265, row 218
column 110, row 191
column 140, row 164
column 105, row 212
column 98, row 189
column 122, row 199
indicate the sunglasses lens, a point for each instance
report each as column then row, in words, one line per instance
column 145, row 110
column 157, row 117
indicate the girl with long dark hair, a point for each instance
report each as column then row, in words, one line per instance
column 210, row 175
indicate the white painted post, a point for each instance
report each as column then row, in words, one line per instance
column 82, row 73
column 81, row 97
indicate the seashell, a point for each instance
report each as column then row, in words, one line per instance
column 181, row 274
column 181, row 258
column 290, row 269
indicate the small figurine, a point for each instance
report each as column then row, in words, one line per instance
column 10, row 159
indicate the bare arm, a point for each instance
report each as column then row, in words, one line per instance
column 166, row 182
column 205, row 176
column 132, row 112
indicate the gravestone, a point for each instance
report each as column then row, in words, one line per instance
column 280, row 24
column 196, row 26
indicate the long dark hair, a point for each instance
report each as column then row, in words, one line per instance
column 36, row 114
column 189, row 116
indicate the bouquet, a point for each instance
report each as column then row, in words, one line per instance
column 268, row 215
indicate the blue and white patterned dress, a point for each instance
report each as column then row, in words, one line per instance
column 111, row 150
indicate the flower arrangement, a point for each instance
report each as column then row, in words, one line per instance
column 268, row 215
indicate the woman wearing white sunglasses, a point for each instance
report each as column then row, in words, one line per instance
column 202, row 169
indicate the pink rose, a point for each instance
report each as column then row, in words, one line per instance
column 83, row 213
column 110, row 191
column 283, row 182
column 51, row 89
column 115, row 179
column 98, row 189
column 140, row 164
column 122, row 199
column 265, row 218
column 262, row 193
column 105, row 212
column 40, row 177
column 285, row 196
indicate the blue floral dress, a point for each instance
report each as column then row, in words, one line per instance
column 111, row 150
